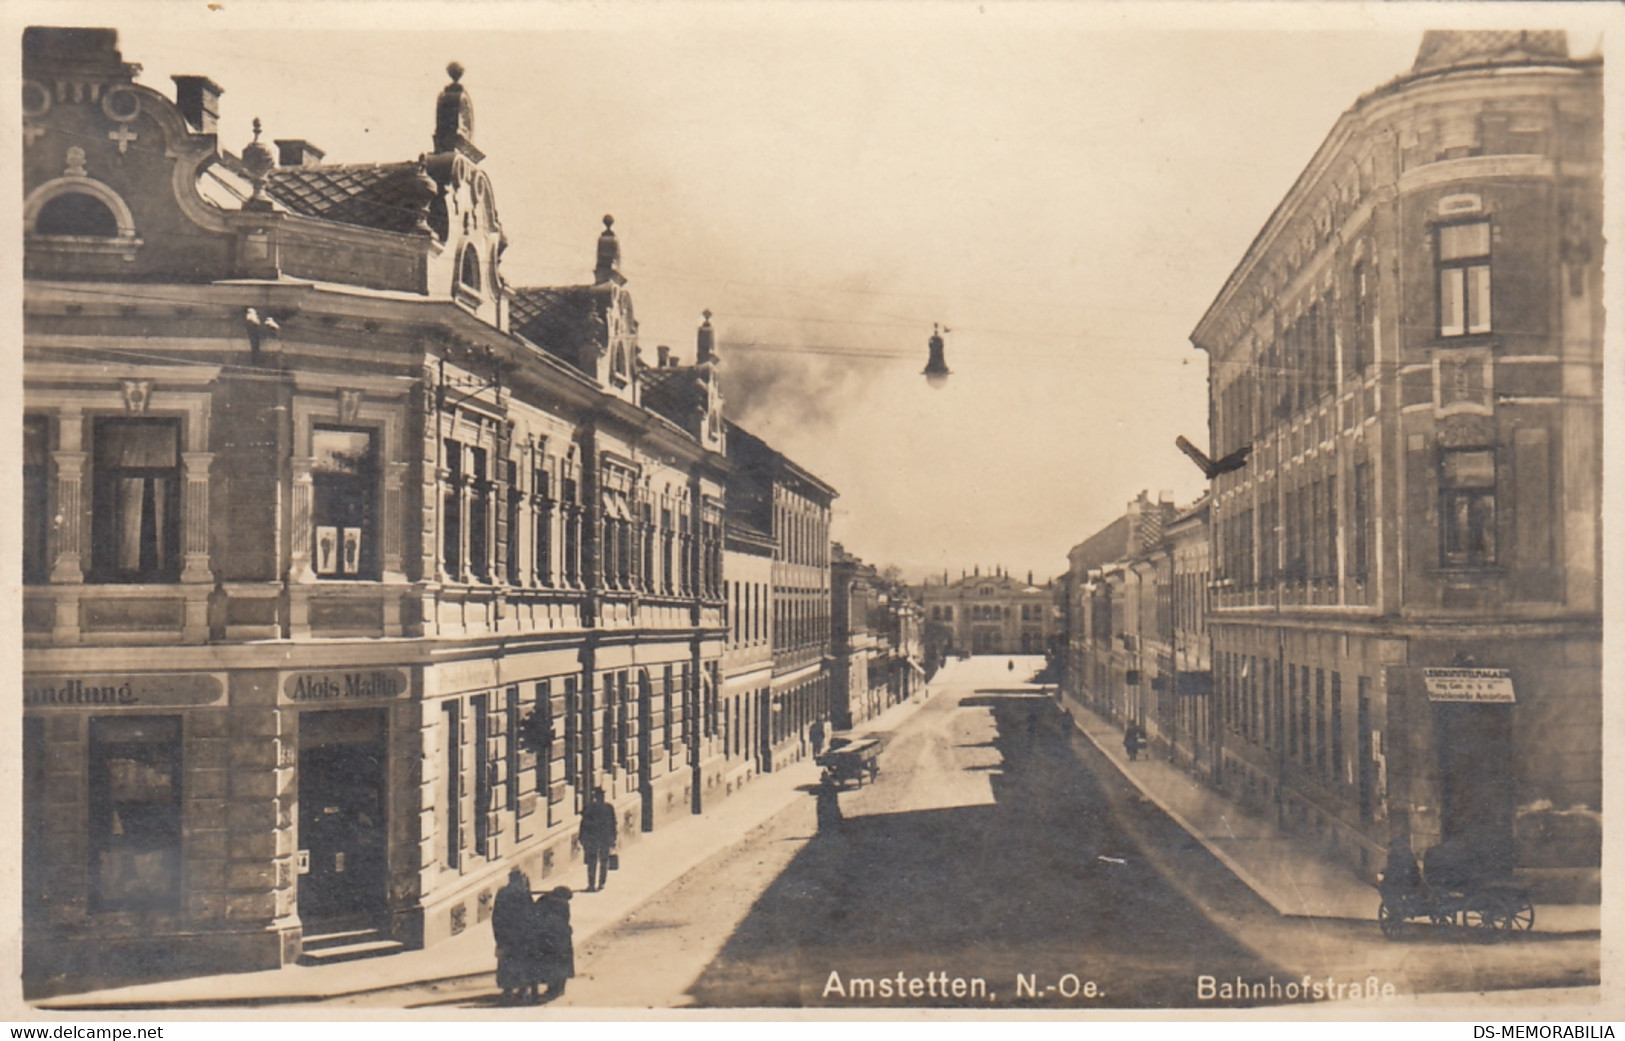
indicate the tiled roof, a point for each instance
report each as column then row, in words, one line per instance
column 673, row 391
column 383, row 196
column 560, row 320
column 1443, row 48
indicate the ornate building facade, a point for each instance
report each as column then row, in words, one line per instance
column 1406, row 619
column 322, row 515
column 988, row 614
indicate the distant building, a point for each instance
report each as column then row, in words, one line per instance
column 877, row 647
column 1406, row 610
column 777, row 495
column 988, row 614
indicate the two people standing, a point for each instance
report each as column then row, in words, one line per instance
column 535, row 944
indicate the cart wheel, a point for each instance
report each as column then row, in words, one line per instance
column 1520, row 914
column 1390, row 920
column 1485, row 918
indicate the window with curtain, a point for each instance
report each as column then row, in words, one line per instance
column 344, row 489
column 135, row 528
column 1464, row 278
column 1467, row 507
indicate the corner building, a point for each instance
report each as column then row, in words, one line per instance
column 1406, row 610
column 320, row 511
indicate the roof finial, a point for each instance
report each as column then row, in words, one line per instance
column 258, row 162
column 608, row 268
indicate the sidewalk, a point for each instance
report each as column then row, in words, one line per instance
column 649, row 864
column 1281, row 868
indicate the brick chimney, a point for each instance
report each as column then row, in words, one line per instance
column 198, row 98
column 293, row 151
column 664, row 354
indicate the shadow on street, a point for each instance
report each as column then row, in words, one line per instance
column 1042, row 882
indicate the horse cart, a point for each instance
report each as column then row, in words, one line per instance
column 852, row 760
column 1452, row 890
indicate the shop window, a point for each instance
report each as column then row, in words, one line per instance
column 135, row 528
column 344, row 490
column 135, row 812
column 1467, row 508
column 76, row 214
column 1464, row 278
column 36, row 497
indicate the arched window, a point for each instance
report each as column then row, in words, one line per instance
column 77, row 214
column 469, row 273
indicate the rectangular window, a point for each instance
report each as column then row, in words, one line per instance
column 623, row 698
column 135, row 527
column 1320, row 721
column 1361, row 522
column 1291, row 712
column 483, row 788
column 1467, row 507
column 135, row 812
column 1337, row 728
column 1331, row 528
column 454, row 783
column 36, row 497
column 1464, row 278
column 511, row 471
column 1354, row 357
column 572, row 534
column 542, row 506
column 544, row 756
column 479, row 516
column 666, row 707
column 451, row 516
column 572, row 733
column 344, row 488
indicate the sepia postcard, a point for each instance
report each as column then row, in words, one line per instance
column 537, row 511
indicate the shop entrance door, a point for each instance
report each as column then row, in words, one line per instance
column 1475, row 763
column 341, row 815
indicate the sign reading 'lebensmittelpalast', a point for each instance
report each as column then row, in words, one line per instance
column 343, row 685
column 1477, row 686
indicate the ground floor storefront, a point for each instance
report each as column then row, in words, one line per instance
column 200, row 809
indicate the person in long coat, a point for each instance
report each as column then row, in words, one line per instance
column 513, row 925
column 556, row 957
column 597, row 837
column 829, row 804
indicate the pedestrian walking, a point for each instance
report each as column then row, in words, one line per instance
column 556, row 953
column 829, row 804
column 1133, row 740
column 597, row 836
column 514, row 927
column 816, row 732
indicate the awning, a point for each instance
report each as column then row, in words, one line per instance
column 1470, row 686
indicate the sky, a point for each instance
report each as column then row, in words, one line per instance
column 1065, row 187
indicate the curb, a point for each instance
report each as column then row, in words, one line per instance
column 1246, row 877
